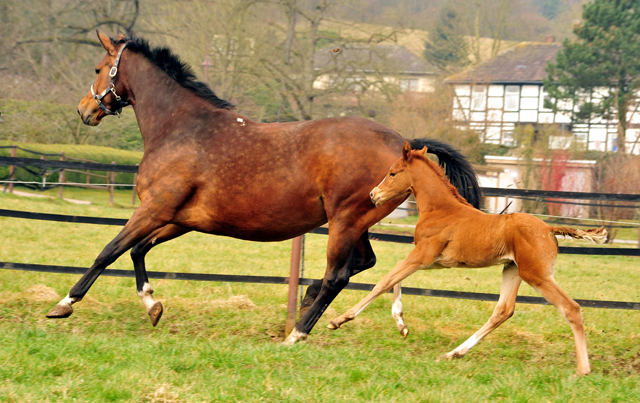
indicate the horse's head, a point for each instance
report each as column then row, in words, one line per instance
column 397, row 182
column 108, row 93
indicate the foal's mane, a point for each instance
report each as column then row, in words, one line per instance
column 441, row 175
column 172, row 65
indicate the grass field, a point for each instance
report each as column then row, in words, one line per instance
column 220, row 342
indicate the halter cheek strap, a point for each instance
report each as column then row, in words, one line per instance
column 111, row 88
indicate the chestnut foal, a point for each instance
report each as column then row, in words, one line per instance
column 451, row 233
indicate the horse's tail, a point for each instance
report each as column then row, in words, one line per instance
column 595, row 235
column 458, row 169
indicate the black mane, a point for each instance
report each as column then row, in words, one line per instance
column 181, row 72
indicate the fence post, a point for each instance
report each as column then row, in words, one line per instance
column 135, row 188
column 44, row 175
column 111, row 178
column 12, row 170
column 61, row 178
column 294, row 280
column 639, row 229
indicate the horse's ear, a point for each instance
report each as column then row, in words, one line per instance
column 425, row 150
column 406, row 151
column 106, row 43
column 121, row 36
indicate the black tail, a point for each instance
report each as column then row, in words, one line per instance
column 458, row 169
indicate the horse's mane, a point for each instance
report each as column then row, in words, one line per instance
column 178, row 70
column 441, row 175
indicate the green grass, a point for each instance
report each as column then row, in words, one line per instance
column 221, row 341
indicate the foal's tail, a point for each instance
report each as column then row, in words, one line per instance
column 459, row 171
column 595, row 235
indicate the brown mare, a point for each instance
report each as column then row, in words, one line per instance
column 451, row 233
column 208, row 169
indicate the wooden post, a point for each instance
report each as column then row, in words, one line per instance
column 61, row 178
column 639, row 230
column 294, row 281
column 111, row 175
column 12, row 170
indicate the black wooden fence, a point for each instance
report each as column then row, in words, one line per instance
column 321, row 230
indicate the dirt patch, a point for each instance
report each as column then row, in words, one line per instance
column 41, row 292
column 621, row 365
column 237, row 301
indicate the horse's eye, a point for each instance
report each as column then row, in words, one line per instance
column 97, row 71
column 392, row 174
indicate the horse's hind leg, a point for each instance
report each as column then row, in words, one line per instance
column 503, row 311
column 345, row 252
column 138, row 253
column 570, row 309
column 396, row 310
column 362, row 258
column 141, row 224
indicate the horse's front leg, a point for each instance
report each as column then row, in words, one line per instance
column 139, row 226
column 421, row 257
column 138, row 253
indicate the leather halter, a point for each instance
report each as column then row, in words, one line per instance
column 111, row 88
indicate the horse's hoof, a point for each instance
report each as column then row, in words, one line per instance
column 404, row 332
column 60, row 311
column 155, row 313
column 294, row 337
column 333, row 326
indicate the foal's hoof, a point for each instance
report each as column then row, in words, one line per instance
column 60, row 311
column 404, row 332
column 333, row 326
column 155, row 313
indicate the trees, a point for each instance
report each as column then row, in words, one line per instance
column 445, row 47
column 599, row 72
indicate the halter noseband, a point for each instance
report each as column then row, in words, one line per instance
column 111, row 88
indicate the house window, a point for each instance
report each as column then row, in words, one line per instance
column 409, row 84
column 545, row 100
column 479, row 98
column 511, row 98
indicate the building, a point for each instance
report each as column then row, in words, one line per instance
column 496, row 96
column 354, row 67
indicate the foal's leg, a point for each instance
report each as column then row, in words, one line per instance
column 503, row 311
column 420, row 257
column 396, row 310
column 570, row 309
column 142, row 223
column 138, row 253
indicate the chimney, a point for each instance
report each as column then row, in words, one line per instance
column 550, row 39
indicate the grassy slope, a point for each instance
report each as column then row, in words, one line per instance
column 220, row 341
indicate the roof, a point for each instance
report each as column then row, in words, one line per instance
column 522, row 64
column 383, row 58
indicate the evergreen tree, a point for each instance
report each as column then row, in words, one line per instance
column 445, row 47
column 600, row 70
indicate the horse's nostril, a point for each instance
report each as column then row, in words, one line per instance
column 79, row 113
column 371, row 195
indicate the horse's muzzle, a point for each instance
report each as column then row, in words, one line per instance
column 374, row 197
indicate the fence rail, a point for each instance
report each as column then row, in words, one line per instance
column 229, row 278
column 304, row 281
column 487, row 191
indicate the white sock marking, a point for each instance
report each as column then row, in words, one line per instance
column 147, row 296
